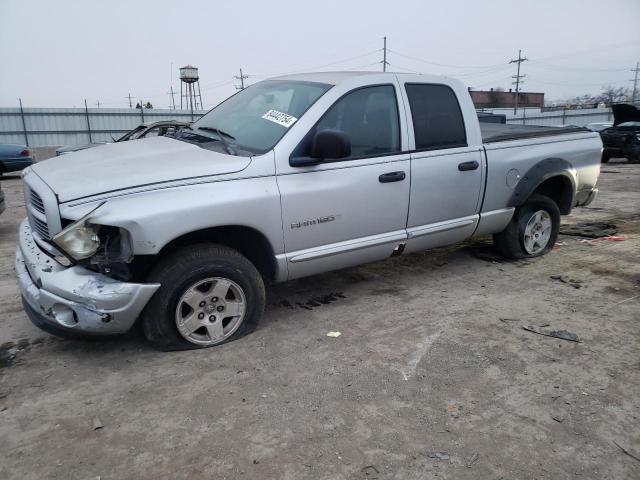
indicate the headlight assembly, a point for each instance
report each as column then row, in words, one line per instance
column 79, row 240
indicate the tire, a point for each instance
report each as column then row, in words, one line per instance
column 513, row 242
column 186, row 301
column 606, row 157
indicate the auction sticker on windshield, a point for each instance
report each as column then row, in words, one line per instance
column 280, row 118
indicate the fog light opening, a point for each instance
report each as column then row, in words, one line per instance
column 64, row 315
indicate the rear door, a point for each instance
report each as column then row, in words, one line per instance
column 447, row 168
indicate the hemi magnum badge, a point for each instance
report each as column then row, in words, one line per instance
column 313, row 221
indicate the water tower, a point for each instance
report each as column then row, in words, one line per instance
column 189, row 77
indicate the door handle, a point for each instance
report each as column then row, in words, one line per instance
column 465, row 166
column 392, row 177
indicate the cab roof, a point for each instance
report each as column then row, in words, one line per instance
column 334, row 78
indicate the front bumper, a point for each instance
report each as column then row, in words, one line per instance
column 586, row 197
column 74, row 300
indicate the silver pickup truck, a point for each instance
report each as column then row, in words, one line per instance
column 289, row 177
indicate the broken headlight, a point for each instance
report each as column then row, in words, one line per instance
column 79, row 240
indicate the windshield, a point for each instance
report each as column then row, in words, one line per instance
column 256, row 118
column 629, row 124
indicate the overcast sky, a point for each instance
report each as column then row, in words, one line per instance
column 59, row 52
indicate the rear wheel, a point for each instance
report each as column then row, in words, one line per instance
column 606, row 157
column 533, row 230
column 209, row 295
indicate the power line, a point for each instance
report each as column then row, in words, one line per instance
column 319, row 67
column 543, row 65
column 410, row 57
column 363, row 66
column 604, row 48
column 518, row 78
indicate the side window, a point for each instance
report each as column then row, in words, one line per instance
column 437, row 118
column 370, row 117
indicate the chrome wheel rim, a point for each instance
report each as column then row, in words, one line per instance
column 210, row 311
column 537, row 232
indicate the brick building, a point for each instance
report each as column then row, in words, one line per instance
column 499, row 99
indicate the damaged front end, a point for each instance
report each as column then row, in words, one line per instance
column 85, row 296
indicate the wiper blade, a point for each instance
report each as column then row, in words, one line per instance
column 218, row 131
column 221, row 135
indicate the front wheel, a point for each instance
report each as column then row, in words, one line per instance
column 533, row 230
column 209, row 295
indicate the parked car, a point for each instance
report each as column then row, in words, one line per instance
column 144, row 130
column 290, row 177
column 598, row 126
column 622, row 140
column 14, row 158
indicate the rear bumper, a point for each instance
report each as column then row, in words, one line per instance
column 592, row 196
column 585, row 197
column 626, row 151
column 74, row 301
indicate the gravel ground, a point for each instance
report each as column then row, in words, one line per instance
column 433, row 375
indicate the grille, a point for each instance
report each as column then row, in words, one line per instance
column 36, row 212
column 39, row 226
column 36, row 202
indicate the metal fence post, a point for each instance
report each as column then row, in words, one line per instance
column 24, row 124
column 86, row 112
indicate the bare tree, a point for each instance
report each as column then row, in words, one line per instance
column 611, row 95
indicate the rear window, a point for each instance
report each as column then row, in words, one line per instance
column 437, row 118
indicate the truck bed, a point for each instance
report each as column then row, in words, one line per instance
column 502, row 132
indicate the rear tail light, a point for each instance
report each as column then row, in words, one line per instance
column 25, row 152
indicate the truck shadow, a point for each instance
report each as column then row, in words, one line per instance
column 297, row 297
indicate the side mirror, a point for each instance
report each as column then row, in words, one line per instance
column 325, row 145
column 330, row 144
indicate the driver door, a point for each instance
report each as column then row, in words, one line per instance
column 353, row 210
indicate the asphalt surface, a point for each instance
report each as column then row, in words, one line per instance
column 433, row 374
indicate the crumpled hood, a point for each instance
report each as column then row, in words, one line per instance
column 124, row 165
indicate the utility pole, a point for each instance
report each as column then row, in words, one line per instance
column 241, row 78
column 384, row 55
column 635, row 82
column 130, row 104
column 518, row 78
column 172, row 106
column 86, row 113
